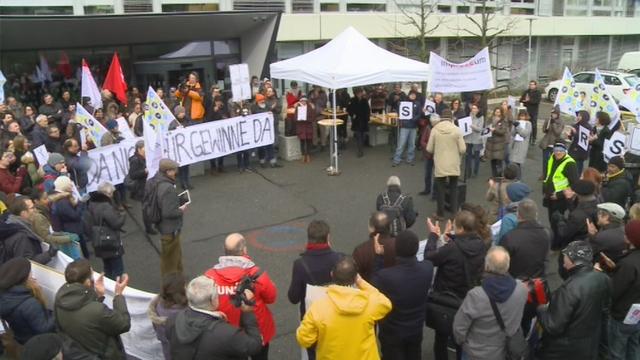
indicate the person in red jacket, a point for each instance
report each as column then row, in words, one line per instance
column 10, row 184
column 228, row 273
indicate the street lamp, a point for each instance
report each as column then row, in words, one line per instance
column 529, row 50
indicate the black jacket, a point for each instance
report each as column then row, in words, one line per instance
column 575, row 226
column 570, row 172
column 198, row 336
column 320, row 263
column 17, row 239
column 168, row 201
column 596, row 159
column 101, row 212
column 618, row 189
column 610, row 241
column 25, row 315
column 573, row 320
column 359, row 111
column 528, row 246
column 77, row 167
column 575, row 151
column 450, row 260
column 408, row 211
column 626, row 284
column 406, row 284
column 137, row 174
column 535, row 96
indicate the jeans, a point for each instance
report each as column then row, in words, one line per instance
column 408, row 138
column 183, row 175
column 440, row 350
column 217, row 163
column 359, row 136
column 472, row 161
column 113, row 267
column 580, row 165
column 442, row 188
column 546, row 154
column 265, row 153
column 624, row 341
column 409, row 348
column 428, row 175
column 243, row 158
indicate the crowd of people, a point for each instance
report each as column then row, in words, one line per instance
column 479, row 280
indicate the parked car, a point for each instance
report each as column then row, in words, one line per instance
column 630, row 62
column 617, row 83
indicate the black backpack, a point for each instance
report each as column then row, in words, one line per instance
column 394, row 213
column 150, row 202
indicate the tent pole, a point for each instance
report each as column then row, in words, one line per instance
column 334, row 137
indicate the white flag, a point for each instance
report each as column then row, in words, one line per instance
column 89, row 87
column 93, row 126
column 568, row 96
column 631, row 101
column 156, row 121
column 601, row 100
column 44, row 68
column 2, row 81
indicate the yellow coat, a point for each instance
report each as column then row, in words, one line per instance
column 342, row 324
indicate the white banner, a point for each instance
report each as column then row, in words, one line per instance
column 472, row 75
column 601, row 100
column 614, row 146
column 631, row 101
column 568, row 97
column 634, row 139
column 186, row 146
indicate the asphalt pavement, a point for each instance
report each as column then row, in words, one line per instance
column 272, row 208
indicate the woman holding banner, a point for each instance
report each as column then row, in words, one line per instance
column 577, row 152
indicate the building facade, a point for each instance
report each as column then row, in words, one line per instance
column 580, row 34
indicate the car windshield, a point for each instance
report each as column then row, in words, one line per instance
column 632, row 80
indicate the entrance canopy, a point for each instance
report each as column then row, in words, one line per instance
column 348, row 60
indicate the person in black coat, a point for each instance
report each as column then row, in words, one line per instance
column 21, row 301
column 618, row 186
column 406, row 214
column 360, row 112
column 572, row 322
column 78, row 163
column 574, row 226
column 406, row 284
column 460, row 263
column 578, row 153
column 608, row 237
column 600, row 133
column 54, row 140
column 531, row 99
column 39, row 133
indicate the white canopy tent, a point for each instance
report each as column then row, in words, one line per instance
column 349, row 60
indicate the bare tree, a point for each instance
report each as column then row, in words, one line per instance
column 487, row 25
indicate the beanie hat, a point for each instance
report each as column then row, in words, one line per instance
column 139, row 144
column 55, row 159
column 579, row 252
column 518, row 191
column 407, row 244
column 14, row 272
column 618, row 161
column 446, row 115
column 63, row 184
column 168, row 164
column 42, row 347
column 112, row 124
column 613, row 209
column 560, row 146
column 632, row 231
column 259, row 97
column 584, row 187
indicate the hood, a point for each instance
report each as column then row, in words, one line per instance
column 158, row 313
column 72, row 297
column 24, row 225
column 164, row 178
column 499, row 287
column 470, row 244
column 12, row 298
column 233, row 268
column 191, row 324
column 99, row 197
column 348, row 300
column 445, row 127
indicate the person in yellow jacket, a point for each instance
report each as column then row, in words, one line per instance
column 342, row 324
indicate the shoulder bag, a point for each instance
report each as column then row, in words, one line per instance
column 516, row 346
column 103, row 238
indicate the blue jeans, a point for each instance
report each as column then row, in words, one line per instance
column 113, row 267
column 624, row 341
column 183, row 175
column 266, row 153
column 472, row 161
column 546, row 154
column 408, row 138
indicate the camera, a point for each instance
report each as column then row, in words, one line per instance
column 246, row 283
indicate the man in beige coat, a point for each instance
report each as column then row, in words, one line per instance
column 447, row 146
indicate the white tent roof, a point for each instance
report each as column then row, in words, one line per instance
column 192, row 49
column 348, row 60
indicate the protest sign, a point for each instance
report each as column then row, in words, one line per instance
column 583, row 138
column 406, row 110
column 634, row 139
column 94, row 127
column 186, row 146
column 41, row 154
column 601, row 100
column 302, row 113
column 429, row 107
column 123, row 127
column 155, row 124
column 614, row 146
column 568, row 94
column 2, row 81
column 472, row 75
column 465, row 125
column 486, row 132
column 518, row 138
column 240, row 82
column 631, row 101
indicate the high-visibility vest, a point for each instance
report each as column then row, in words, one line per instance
column 560, row 182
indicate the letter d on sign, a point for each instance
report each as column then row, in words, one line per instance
column 406, row 110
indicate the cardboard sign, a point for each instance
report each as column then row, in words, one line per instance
column 465, row 125
column 429, row 107
column 486, row 132
column 518, row 138
column 41, row 154
column 634, row 139
column 240, row 82
column 125, row 130
column 583, row 138
column 302, row 113
column 615, row 146
column 406, row 110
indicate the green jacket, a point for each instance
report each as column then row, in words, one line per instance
column 81, row 315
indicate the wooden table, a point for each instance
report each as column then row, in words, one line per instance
column 329, row 112
column 329, row 122
column 390, row 119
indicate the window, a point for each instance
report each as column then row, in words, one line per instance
column 521, row 11
column 189, row 7
column 329, row 7
column 302, row 6
column 632, row 80
column 226, row 47
column 464, row 9
column 445, row 9
column 611, row 80
column 602, row 2
column 584, row 78
column 367, row 7
column 36, row 10
column 601, row 13
column 98, row 9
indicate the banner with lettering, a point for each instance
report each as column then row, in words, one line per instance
column 472, row 75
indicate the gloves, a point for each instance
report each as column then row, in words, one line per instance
column 53, row 251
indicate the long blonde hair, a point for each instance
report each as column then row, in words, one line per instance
column 36, row 290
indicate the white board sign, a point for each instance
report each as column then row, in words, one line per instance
column 406, row 110
column 583, row 137
column 302, row 113
column 465, row 125
column 518, row 138
column 124, row 129
column 429, row 107
column 240, row 82
column 41, row 154
column 486, row 132
column 472, row 75
column 615, row 146
column 634, row 139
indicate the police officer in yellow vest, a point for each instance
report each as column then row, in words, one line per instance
column 562, row 173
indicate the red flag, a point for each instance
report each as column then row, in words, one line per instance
column 114, row 81
column 64, row 67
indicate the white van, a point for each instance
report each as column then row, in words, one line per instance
column 630, row 62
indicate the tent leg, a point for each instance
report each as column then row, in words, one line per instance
column 333, row 138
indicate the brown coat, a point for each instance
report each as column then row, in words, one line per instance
column 447, row 146
column 364, row 255
column 41, row 226
column 497, row 142
column 492, row 197
column 552, row 133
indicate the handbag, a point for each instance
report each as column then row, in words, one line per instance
column 103, row 239
column 516, row 347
